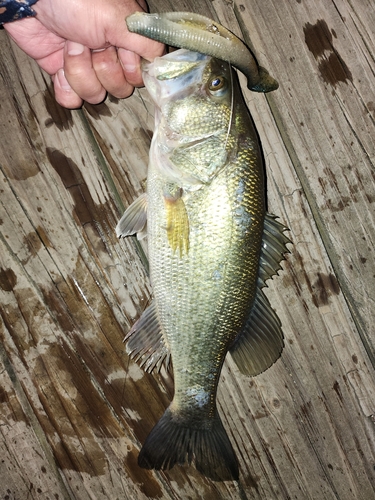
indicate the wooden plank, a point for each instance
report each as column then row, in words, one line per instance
column 69, row 290
column 26, row 463
column 324, row 114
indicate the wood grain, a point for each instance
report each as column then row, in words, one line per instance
column 74, row 410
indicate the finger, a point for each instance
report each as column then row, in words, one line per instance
column 131, row 64
column 80, row 73
column 110, row 73
column 64, row 94
column 144, row 47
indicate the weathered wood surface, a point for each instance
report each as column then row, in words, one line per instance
column 74, row 409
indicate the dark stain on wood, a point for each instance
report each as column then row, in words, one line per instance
column 318, row 38
column 65, row 167
column 10, row 316
column 18, row 163
column 296, row 273
column 8, row 279
column 338, row 205
column 103, row 353
column 58, row 308
column 10, row 401
column 85, row 209
column 332, row 67
column 83, row 202
column 81, row 415
column 148, row 484
column 21, row 164
column 324, row 286
column 146, row 135
column 98, row 110
column 3, row 396
column 370, row 108
column 91, row 411
column 59, row 116
column 34, row 241
column 113, row 99
column 336, row 387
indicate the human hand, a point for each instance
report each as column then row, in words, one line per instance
column 86, row 48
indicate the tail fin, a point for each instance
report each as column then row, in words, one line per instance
column 175, row 441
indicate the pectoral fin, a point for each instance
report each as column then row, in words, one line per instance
column 177, row 222
column 260, row 343
column 134, row 219
column 145, row 341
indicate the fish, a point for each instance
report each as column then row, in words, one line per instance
column 211, row 247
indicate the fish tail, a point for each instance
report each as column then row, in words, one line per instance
column 174, row 440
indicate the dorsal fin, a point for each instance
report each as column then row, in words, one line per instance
column 273, row 249
column 145, row 341
column 260, row 342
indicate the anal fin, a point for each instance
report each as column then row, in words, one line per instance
column 145, row 341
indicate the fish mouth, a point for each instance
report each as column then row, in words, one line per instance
column 200, row 34
column 173, row 74
column 174, row 64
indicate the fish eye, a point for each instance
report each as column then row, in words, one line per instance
column 217, row 83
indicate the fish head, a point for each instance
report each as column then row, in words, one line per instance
column 192, row 91
column 193, row 96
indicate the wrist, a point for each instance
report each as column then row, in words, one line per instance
column 13, row 10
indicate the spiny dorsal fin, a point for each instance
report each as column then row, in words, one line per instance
column 134, row 219
column 145, row 341
column 273, row 249
column 260, row 343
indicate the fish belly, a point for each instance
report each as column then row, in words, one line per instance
column 204, row 296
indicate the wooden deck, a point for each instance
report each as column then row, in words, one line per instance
column 74, row 410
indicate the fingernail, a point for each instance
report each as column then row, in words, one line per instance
column 74, row 48
column 129, row 60
column 62, row 80
column 130, row 68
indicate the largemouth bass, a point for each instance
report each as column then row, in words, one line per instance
column 211, row 246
